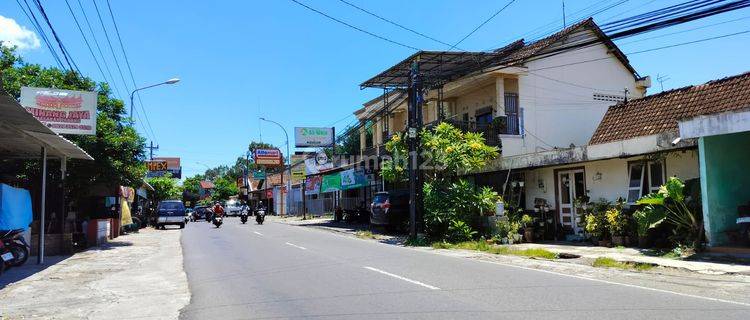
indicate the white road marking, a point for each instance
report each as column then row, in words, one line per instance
column 618, row 283
column 258, row 233
column 296, row 246
column 402, row 278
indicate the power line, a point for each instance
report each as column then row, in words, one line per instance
column 99, row 49
column 98, row 66
column 68, row 59
column 394, row 23
column 643, row 51
column 355, row 27
column 130, row 70
column 683, row 31
column 38, row 27
column 109, row 43
column 482, row 24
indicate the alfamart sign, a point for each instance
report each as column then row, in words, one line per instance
column 63, row 111
column 313, row 137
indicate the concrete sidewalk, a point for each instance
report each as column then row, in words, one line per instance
column 638, row 255
column 135, row 276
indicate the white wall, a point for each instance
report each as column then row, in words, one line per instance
column 614, row 176
column 563, row 112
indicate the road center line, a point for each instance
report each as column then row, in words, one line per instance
column 258, row 233
column 402, row 278
column 296, row 246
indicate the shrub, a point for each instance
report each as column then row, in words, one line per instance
column 460, row 231
column 617, row 222
column 682, row 212
column 647, row 218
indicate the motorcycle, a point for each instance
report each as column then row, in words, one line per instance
column 14, row 243
column 243, row 216
column 218, row 221
column 260, row 216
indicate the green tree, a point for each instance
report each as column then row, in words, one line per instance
column 117, row 149
column 349, row 143
column 450, row 203
column 165, row 188
column 224, row 187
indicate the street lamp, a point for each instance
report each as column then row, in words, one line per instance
column 289, row 167
column 170, row 81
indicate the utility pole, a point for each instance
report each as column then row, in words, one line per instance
column 151, row 150
column 415, row 125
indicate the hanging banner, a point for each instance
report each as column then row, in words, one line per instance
column 313, row 184
column 331, row 183
column 63, row 111
column 313, row 137
column 352, row 179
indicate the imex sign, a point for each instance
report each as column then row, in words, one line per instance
column 268, row 157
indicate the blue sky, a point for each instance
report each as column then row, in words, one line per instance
column 239, row 60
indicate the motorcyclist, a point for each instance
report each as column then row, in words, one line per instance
column 218, row 210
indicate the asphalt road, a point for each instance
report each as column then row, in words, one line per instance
column 281, row 271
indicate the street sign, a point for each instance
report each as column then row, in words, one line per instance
column 313, row 137
column 259, row 175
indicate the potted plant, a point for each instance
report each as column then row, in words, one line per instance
column 617, row 224
column 513, row 235
column 528, row 228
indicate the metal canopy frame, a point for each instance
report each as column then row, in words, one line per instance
column 436, row 67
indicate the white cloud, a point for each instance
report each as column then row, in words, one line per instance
column 13, row 34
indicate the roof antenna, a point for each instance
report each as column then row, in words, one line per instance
column 565, row 25
column 661, row 80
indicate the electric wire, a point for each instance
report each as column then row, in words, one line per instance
column 111, row 80
column 355, row 27
column 38, row 27
column 68, row 58
column 130, row 70
column 109, row 43
column 86, row 41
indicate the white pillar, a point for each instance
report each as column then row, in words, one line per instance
column 40, row 255
column 499, row 96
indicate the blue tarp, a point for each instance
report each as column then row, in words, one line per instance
column 15, row 208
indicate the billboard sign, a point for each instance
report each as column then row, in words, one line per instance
column 158, row 167
column 63, row 111
column 268, row 157
column 313, row 137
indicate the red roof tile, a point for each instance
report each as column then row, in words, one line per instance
column 659, row 113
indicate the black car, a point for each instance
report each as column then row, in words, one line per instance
column 390, row 209
column 171, row 212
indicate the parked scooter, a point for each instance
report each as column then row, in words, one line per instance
column 260, row 215
column 14, row 243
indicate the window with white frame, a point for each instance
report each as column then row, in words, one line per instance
column 644, row 177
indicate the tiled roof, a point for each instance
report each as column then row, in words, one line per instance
column 659, row 113
column 206, row 184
